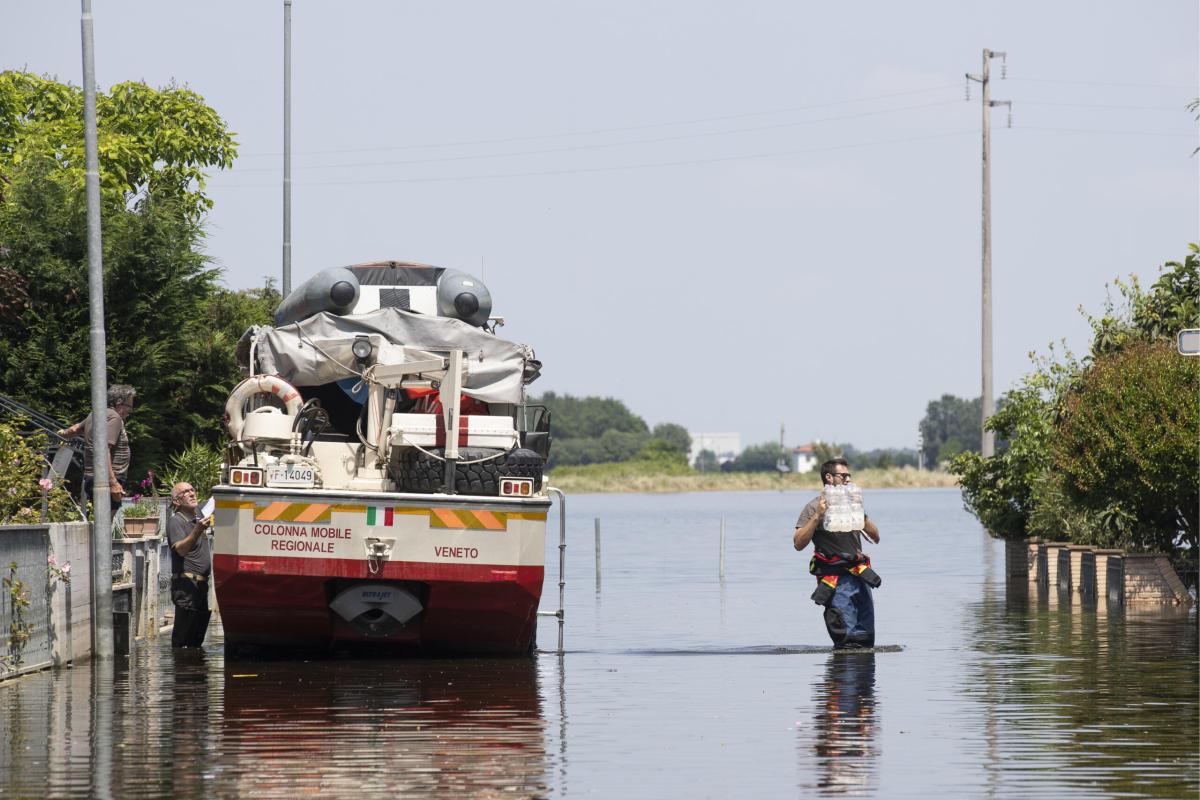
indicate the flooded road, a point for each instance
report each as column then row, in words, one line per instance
column 675, row 684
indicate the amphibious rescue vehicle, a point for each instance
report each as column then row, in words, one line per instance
column 384, row 475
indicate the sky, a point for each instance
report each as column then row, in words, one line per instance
column 728, row 215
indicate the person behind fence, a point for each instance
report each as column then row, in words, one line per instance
column 120, row 403
column 844, row 574
column 191, row 566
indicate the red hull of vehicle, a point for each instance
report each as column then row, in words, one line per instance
column 466, row 608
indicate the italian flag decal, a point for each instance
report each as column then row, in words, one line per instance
column 377, row 515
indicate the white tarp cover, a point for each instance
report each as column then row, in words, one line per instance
column 316, row 350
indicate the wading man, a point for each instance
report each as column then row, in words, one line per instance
column 843, row 571
column 191, row 565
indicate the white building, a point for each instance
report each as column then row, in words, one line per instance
column 805, row 458
column 725, row 445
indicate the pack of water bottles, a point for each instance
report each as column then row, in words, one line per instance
column 843, row 508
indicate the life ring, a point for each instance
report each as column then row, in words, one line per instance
column 259, row 384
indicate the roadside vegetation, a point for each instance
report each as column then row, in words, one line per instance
column 171, row 326
column 1104, row 449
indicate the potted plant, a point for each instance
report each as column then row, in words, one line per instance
column 141, row 516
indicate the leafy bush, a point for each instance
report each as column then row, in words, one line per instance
column 21, row 484
column 1126, row 444
column 197, row 464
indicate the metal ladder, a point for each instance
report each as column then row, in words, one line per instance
column 562, row 564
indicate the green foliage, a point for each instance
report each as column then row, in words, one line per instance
column 589, row 417
column 1104, row 451
column 1126, row 444
column 144, row 508
column 170, row 328
column 706, row 461
column 21, row 468
column 596, row 430
column 999, row 490
column 756, row 458
column 19, row 629
column 197, row 464
column 150, row 142
column 882, row 458
column 674, row 437
column 951, row 425
column 824, row 451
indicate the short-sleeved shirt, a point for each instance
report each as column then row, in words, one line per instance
column 199, row 558
column 829, row 543
column 118, row 444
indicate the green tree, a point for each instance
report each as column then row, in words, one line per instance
column 150, row 142
column 1126, row 445
column 951, row 424
column 170, row 328
column 582, row 417
column 757, row 458
column 706, row 461
column 674, row 437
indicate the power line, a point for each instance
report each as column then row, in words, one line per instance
column 603, row 145
column 597, row 131
column 616, row 168
column 1191, row 86
column 1102, row 105
column 1101, row 131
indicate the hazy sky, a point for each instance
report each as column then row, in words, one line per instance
column 729, row 215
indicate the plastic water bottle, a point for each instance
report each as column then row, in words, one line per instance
column 857, row 518
column 836, row 518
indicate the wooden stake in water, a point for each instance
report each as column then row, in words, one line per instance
column 597, row 552
column 722, row 548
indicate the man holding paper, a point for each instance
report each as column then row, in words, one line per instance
column 191, row 566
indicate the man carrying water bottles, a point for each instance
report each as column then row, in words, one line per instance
column 843, row 571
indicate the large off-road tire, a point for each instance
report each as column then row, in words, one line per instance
column 418, row 472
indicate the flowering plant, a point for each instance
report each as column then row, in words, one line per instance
column 55, row 570
column 145, row 500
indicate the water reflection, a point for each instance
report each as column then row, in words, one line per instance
column 1100, row 700
column 190, row 725
column 843, row 730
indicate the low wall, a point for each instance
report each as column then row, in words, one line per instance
column 55, row 627
column 1080, row 574
column 57, row 622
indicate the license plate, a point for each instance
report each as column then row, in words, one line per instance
column 291, row 475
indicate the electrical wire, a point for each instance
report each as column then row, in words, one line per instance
column 1190, row 86
column 615, row 168
column 596, row 131
column 602, row 145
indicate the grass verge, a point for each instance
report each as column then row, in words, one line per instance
column 646, row 477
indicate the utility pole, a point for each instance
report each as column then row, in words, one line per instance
column 988, row 396
column 102, row 627
column 287, row 147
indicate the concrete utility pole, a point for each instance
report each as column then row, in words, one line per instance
column 287, row 147
column 988, row 396
column 102, row 630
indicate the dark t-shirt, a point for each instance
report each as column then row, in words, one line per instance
column 199, row 558
column 829, row 543
column 118, row 444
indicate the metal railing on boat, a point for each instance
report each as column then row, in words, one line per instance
column 562, row 564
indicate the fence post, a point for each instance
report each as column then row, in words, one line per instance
column 722, row 548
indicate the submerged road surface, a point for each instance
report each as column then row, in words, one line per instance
column 675, row 684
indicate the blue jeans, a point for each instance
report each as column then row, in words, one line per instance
column 850, row 615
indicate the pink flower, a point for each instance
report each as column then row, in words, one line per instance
column 50, row 560
column 46, row 484
column 66, row 568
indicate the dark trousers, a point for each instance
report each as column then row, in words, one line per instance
column 850, row 615
column 89, row 483
column 191, row 612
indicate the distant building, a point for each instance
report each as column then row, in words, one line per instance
column 805, row 458
column 726, row 446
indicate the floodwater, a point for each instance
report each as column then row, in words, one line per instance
column 674, row 684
